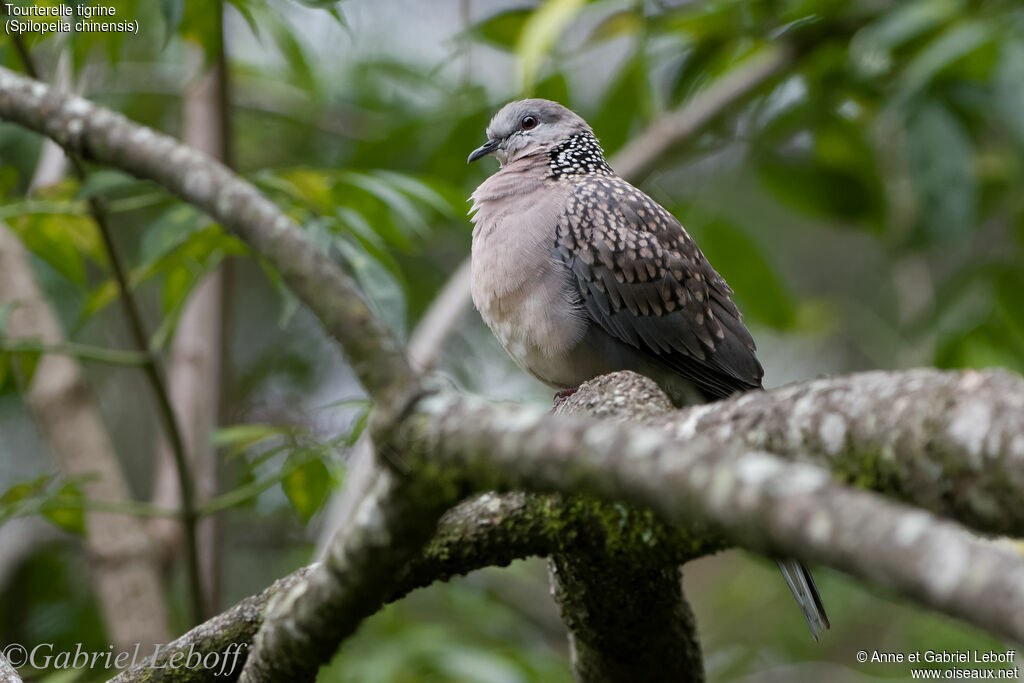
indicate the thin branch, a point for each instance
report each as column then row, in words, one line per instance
column 441, row 317
column 19, row 46
column 108, row 137
column 96, row 354
column 640, row 155
column 158, row 385
column 488, row 530
column 7, row 672
column 129, row 508
column 754, row 498
column 303, row 629
column 229, row 632
column 199, row 361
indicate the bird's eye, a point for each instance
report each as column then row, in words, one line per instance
column 528, row 122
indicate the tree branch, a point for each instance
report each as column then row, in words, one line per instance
column 623, row 604
column 755, row 499
column 640, row 155
column 485, row 531
column 108, row 137
column 950, row 442
column 628, row 620
column 198, row 364
column 234, row 627
column 7, row 672
column 96, row 354
column 392, row 523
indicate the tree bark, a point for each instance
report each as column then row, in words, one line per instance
column 7, row 672
column 624, row 606
column 755, row 499
column 305, row 625
column 949, row 442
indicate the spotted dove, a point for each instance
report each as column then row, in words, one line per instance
column 578, row 274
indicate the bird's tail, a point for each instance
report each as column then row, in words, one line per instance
column 798, row 578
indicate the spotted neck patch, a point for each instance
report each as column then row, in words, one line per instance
column 581, row 154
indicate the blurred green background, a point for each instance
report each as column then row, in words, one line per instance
column 866, row 204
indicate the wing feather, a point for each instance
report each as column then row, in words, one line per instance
column 642, row 278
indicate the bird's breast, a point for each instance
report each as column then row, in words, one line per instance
column 518, row 287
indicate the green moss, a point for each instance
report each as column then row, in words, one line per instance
column 620, row 531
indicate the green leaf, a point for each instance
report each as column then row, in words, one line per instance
column 8, row 180
column 25, row 364
column 625, row 22
column 358, row 427
column 98, row 299
column 196, row 26
column 309, row 185
column 953, row 44
column 5, row 369
column 408, row 217
column 554, row 87
column 695, row 67
column 290, row 302
column 246, row 10
column 871, row 48
column 378, row 284
column 49, row 238
column 940, row 157
column 101, row 182
column 320, row 4
column 307, row 487
column 22, row 491
column 66, row 509
column 765, row 297
column 169, row 231
column 818, row 189
column 538, row 36
column 417, row 189
column 1010, row 88
column 238, row 438
column 173, row 11
column 294, row 54
column 328, row 6
column 502, row 29
column 1009, row 287
column 614, row 122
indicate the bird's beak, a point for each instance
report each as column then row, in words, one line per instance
column 480, row 152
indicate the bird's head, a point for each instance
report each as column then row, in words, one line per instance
column 528, row 127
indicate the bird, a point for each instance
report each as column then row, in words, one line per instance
column 579, row 274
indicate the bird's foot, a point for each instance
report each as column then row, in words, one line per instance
column 561, row 396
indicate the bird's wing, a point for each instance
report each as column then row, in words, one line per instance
column 643, row 279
